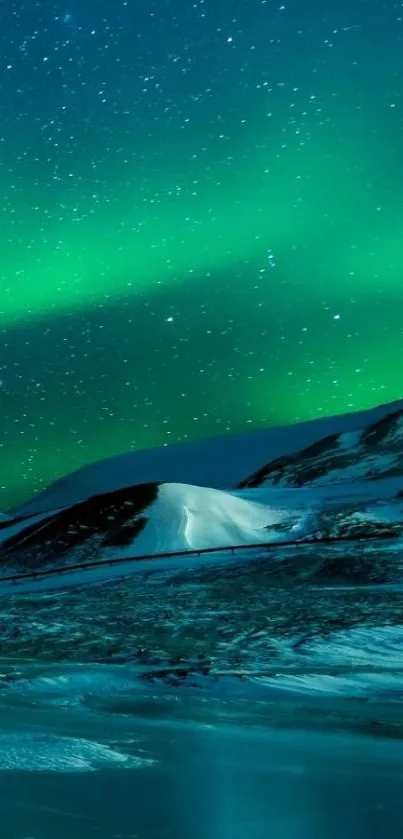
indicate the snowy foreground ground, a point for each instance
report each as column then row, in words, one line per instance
column 236, row 694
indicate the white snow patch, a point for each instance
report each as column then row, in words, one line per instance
column 51, row 753
column 371, row 658
column 353, row 685
column 192, row 518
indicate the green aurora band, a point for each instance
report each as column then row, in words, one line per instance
column 236, row 238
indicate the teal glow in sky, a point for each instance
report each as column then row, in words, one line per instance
column 201, row 222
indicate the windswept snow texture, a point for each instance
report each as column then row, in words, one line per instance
column 360, row 661
column 188, row 517
column 47, row 752
column 220, row 462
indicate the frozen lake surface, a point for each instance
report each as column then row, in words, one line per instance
column 176, row 780
column 259, row 700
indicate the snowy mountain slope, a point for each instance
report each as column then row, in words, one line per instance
column 325, row 490
column 220, row 462
column 150, row 519
column 74, row 534
column 375, row 451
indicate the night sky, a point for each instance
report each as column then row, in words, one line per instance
column 201, row 221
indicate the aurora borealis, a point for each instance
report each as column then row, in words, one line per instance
column 201, row 222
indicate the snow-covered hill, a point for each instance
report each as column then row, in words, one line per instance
column 220, row 462
column 347, row 483
column 153, row 519
column 371, row 452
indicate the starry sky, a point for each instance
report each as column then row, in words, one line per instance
column 201, row 221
